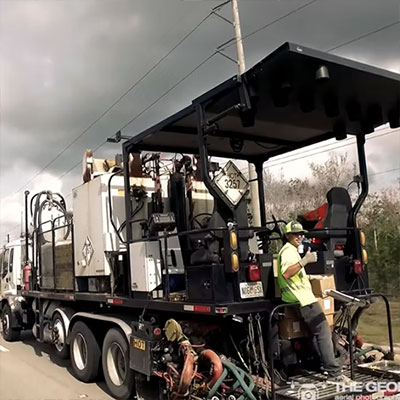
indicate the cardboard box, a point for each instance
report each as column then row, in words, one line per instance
column 293, row 312
column 327, row 304
column 292, row 328
column 320, row 285
column 330, row 318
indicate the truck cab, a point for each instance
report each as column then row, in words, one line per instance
column 12, row 259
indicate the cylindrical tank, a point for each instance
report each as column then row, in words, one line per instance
column 27, row 273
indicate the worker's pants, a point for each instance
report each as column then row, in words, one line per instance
column 318, row 326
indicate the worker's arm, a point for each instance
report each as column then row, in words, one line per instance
column 295, row 268
column 292, row 270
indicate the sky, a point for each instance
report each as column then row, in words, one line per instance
column 74, row 72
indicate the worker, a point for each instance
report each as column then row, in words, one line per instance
column 296, row 288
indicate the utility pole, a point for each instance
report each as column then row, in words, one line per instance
column 255, row 201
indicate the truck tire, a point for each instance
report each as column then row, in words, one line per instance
column 85, row 352
column 59, row 336
column 119, row 377
column 10, row 334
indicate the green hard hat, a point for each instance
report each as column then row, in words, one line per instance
column 294, row 227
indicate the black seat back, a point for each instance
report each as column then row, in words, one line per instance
column 339, row 206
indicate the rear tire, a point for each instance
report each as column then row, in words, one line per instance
column 60, row 347
column 10, row 334
column 85, row 352
column 119, row 377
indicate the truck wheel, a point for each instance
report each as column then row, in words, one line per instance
column 61, row 349
column 85, row 352
column 10, row 334
column 115, row 358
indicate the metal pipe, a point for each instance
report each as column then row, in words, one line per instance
column 165, row 262
column 203, row 153
column 350, row 339
column 26, row 228
column 364, row 179
column 388, row 317
column 128, row 211
column 53, row 249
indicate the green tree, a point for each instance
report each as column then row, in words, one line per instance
column 379, row 216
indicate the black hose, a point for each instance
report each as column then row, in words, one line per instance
column 110, row 207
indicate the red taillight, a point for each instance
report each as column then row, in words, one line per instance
column 157, row 332
column 316, row 241
column 358, row 267
column 254, row 273
column 339, row 247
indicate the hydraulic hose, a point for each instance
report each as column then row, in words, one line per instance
column 217, row 384
column 240, row 376
column 367, row 350
column 118, row 233
column 216, row 363
column 247, row 388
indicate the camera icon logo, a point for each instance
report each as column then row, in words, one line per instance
column 307, row 391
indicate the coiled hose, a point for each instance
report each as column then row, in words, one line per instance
column 241, row 378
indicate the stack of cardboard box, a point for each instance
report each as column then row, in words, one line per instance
column 292, row 325
column 319, row 286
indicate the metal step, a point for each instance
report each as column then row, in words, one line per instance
column 315, row 387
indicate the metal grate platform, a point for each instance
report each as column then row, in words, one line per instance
column 315, row 387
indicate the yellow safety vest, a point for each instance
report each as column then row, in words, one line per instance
column 297, row 288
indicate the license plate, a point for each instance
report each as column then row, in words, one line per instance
column 249, row 290
column 139, row 344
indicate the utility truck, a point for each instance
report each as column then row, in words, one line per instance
column 163, row 276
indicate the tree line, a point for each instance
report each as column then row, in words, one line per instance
column 379, row 216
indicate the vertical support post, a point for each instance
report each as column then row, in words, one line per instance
column 238, row 37
column 364, row 179
column 53, row 252
column 241, row 69
column 164, row 257
column 261, row 195
column 128, row 211
column 350, row 339
column 26, row 228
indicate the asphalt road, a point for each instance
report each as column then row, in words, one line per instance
column 29, row 371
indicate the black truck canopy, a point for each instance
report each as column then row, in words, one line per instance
column 292, row 98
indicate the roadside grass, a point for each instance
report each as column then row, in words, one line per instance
column 373, row 326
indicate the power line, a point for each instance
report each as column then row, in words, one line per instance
column 334, row 146
column 276, row 20
column 363, row 36
column 149, row 106
column 384, row 172
column 133, row 86
column 169, row 90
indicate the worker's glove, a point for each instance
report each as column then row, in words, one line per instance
column 309, row 257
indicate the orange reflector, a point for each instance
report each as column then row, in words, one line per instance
column 233, row 240
column 235, row 262
column 364, row 256
column 362, row 238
